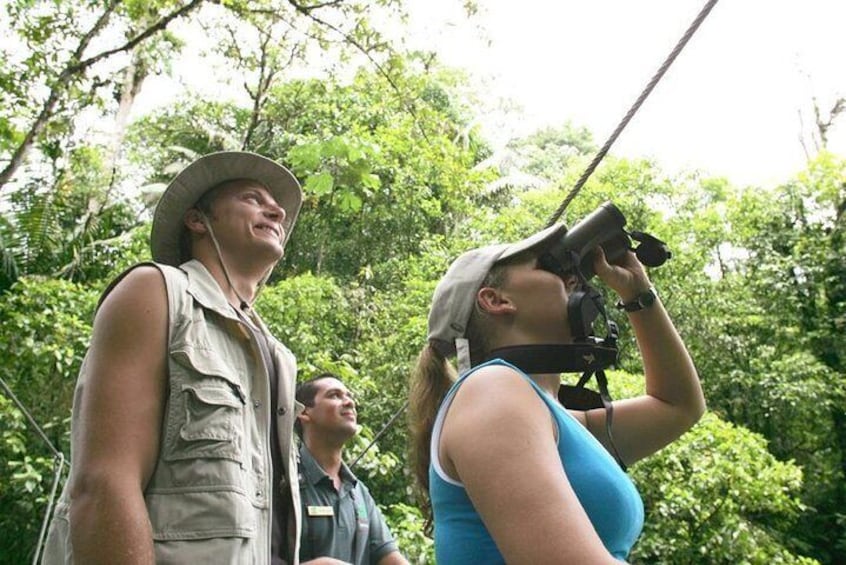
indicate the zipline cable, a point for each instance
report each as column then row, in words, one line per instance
column 599, row 156
column 630, row 114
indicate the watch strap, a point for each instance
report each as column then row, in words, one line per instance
column 640, row 302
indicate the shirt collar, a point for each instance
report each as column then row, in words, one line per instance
column 314, row 473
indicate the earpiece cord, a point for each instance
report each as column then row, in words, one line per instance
column 245, row 306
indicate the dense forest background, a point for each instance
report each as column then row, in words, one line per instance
column 398, row 181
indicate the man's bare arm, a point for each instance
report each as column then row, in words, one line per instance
column 121, row 413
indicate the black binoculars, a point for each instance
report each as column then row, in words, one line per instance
column 575, row 251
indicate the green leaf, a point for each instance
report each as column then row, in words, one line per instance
column 370, row 180
column 349, row 201
column 320, row 184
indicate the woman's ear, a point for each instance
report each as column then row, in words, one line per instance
column 493, row 301
column 571, row 282
column 195, row 221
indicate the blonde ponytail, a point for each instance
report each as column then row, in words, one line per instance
column 430, row 381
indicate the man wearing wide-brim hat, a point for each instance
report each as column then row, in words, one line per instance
column 184, row 408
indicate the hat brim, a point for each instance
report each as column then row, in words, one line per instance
column 208, row 172
column 541, row 238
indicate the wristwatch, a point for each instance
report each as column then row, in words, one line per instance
column 642, row 301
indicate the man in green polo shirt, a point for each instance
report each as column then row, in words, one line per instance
column 341, row 522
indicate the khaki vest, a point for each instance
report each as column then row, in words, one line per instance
column 209, row 498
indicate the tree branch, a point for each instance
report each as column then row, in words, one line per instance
column 76, row 68
column 155, row 28
column 306, row 11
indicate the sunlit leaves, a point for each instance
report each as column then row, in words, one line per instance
column 319, row 184
column 339, row 168
column 718, row 496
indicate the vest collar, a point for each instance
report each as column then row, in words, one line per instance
column 203, row 287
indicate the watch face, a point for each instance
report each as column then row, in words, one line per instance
column 647, row 298
column 643, row 300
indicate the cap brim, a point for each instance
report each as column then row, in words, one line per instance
column 543, row 237
column 206, row 173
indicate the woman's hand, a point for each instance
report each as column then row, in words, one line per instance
column 627, row 277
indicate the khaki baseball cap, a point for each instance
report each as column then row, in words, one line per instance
column 207, row 172
column 455, row 294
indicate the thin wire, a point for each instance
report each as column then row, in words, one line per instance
column 58, row 466
column 56, row 453
column 630, row 114
column 384, row 429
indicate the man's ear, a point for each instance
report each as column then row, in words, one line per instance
column 194, row 221
column 303, row 416
column 493, row 301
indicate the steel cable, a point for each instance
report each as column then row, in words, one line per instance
column 630, row 114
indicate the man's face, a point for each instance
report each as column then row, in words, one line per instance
column 247, row 220
column 333, row 412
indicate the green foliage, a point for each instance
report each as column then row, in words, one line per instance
column 45, row 331
column 378, row 177
column 312, row 316
column 46, row 324
column 718, row 496
column 764, row 327
column 74, row 229
column 27, row 470
column 406, row 524
column 337, row 168
column 551, row 152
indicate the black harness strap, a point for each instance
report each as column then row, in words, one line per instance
column 557, row 358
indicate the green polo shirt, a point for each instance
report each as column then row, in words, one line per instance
column 346, row 525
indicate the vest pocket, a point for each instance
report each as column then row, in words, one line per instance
column 207, row 409
column 204, row 514
column 210, row 425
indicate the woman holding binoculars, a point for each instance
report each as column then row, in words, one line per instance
column 511, row 474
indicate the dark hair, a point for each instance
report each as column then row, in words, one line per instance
column 432, row 378
column 306, row 391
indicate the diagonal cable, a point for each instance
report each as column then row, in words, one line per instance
column 58, row 465
column 630, row 114
column 56, row 453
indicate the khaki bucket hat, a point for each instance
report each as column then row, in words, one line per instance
column 455, row 294
column 207, row 172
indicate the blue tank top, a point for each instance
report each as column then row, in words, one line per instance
column 608, row 496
